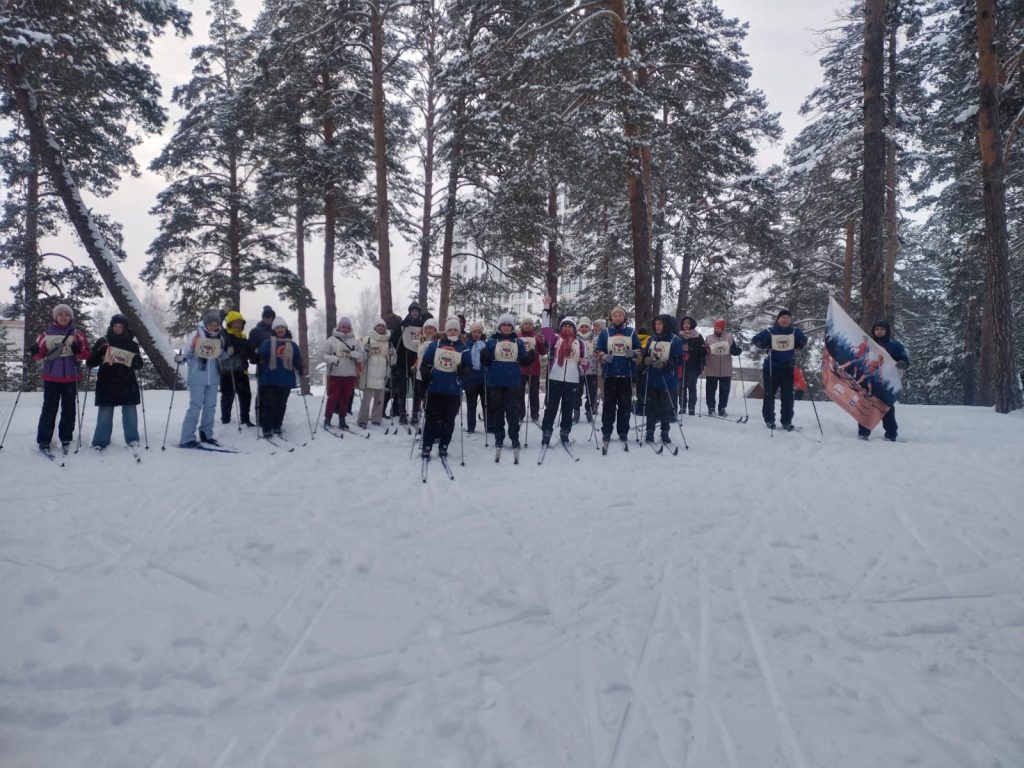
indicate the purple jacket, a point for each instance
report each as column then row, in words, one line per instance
column 60, row 363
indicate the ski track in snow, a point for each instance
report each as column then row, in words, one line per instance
column 776, row 602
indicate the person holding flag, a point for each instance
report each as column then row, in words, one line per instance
column 882, row 333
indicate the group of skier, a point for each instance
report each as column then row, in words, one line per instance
column 654, row 374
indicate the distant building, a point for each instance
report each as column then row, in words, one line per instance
column 14, row 331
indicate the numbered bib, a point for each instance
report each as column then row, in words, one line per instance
column 208, row 349
column 620, row 346
column 719, row 348
column 661, row 350
column 411, row 338
column 529, row 342
column 118, row 356
column 783, row 342
column 63, row 343
column 447, row 359
column 506, row 351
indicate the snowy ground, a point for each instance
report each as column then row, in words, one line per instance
column 755, row 601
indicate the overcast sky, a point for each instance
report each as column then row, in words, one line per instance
column 781, row 43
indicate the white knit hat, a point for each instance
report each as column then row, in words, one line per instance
column 506, row 319
column 452, row 324
column 279, row 323
column 63, row 308
column 430, row 323
column 585, row 321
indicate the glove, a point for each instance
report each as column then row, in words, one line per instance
column 34, row 349
column 76, row 347
column 136, row 362
column 531, row 357
column 659, row 364
column 332, row 359
column 902, row 365
column 179, row 358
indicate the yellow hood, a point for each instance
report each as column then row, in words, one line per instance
column 231, row 317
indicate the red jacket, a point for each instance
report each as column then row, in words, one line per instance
column 533, row 369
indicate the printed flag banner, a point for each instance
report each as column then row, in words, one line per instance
column 857, row 373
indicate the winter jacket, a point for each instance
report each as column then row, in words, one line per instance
column 60, row 361
column 116, row 382
column 280, row 375
column 342, row 352
column 667, row 347
column 406, row 341
column 620, row 344
column 503, row 355
column 259, row 333
column 236, row 345
column 441, row 362
column 533, row 342
column 693, row 346
column 896, row 350
column 783, row 342
column 380, row 357
column 589, row 352
column 576, row 365
column 474, row 377
column 719, row 349
column 202, row 370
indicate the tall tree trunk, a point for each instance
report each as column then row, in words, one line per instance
column 330, row 221
column 659, row 246
column 1005, row 386
column 380, row 156
column 157, row 348
column 969, row 382
column 300, row 270
column 683, row 298
column 428, row 184
column 872, row 263
column 851, row 232
column 986, row 350
column 551, row 273
column 234, row 234
column 30, row 283
column 639, row 216
column 454, row 170
column 892, row 235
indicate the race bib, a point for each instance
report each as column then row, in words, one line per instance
column 447, row 359
column 411, row 338
column 344, row 353
column 529, row 342
column 620, row 346
column 783, row 342
column 377, row 348
column 63, row 343
column 208, row 349
column 118, row 356
column 506, row 351
column 574, row 351
column 661, row 350
column 719, row 348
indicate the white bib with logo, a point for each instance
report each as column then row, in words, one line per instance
column 506, row 351
column 719, row 348
column 620, row 346
column 377, row 348
column 574, row 351
column 783, row 342
column 661, row 350
column 447, row 359
column 208, row 349
column 411, row 338
column 54, row 342
column 118, row 356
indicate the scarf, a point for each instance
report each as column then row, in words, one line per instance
column 283, row 348
column 567, row 338
column 690, row 334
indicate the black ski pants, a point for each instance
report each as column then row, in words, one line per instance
column 618, row 394
column 529, row 385
column 689, row 391
column 229, row 384
column 778, row 378
column 273, row 402
column 720, row 383
column 474, row 394
column 439, row 420
column 659, row 411
column 503, row 405
column 888, row 424
column 57, row 395
column 562, row 396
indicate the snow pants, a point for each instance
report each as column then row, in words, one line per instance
column 273, row 402
column 688, row 394
column 778, row 378
column 529, row 385
column 503, row 405
column 888, row 424
column 339, row 396
column 618, row 396
column 202, row 408
column 58, row 395
column 474, row 393
column 376, row 397
column 234, row 381
column 439, row 421
column 722, row 384
column 562, row 396
column 659, row 411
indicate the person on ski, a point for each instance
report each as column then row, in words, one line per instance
column 882, row 333
column 693, row 363
column 117, row 356
column 473, row 380
column 661, row 355
column 429, row 334
column 719, row 348
column 567, row 364
column 61, row 347
column 441, row 367
column 260, row 332
column 280, row 361
column 343, row 355
column 234, row 375
column 406, row 341
column 204, row 353
column 585, row 334
column 380, row 359
column 617, row 347
column 503, row 355
column 781, row 341
column 529, row 382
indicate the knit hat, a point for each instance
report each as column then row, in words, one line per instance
column 618, row 309
column 719, row 326
column 452, row 324
column 476, row 326
column 278, row 323
column 430, row 323
column 567, row 321
column 526, row 320
column 379, row 321
column 414, row 305
column 268, row 311
column 506, row 319
column 63, row 308
column 600, row 323
column 124, row 320
column 211, row 316
column 585, row 321
column 783, row 312
column 344, row 324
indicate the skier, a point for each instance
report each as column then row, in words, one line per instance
column 719, row 348
column 260, row 332
column 440, row 368
column 405, row 339
column 473, row 381
column 617, row 347
column 529, row 382
column 280, row 361
column 661, row 356
column 234, row 375
column 693, row 363
column 429, row 334
column 61, row 346
column 344, row 356
column 117, row 356
column 204, row 354
column 567, row 363
column 882, row 332
column 585, row 334
column 503, row 356
column 781, row 340
column 380, row 358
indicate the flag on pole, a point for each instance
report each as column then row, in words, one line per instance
column 857, row 373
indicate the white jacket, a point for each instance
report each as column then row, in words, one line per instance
column 343, row 351
column 380, row 358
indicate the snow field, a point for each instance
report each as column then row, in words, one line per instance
column 756, row 601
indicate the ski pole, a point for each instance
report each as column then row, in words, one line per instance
column 743, row 391
column 701, row 392
column 145, row 426
column 417, row 432
column 526, row 411
column 679, row 423
column 237, row 399
column 24, row 367
column 323, row 397
column 174, row 388
column 647, row 415
column 85, row 400
column 487, row 420
column 305, row 406
column 771, row 384
column 462, row 432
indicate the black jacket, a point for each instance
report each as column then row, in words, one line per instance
column 116, row 384
column 239, row 352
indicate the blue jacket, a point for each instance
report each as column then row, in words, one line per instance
column 444, row 382
column 618, row 366
column 664, row 378
column 201, row 371
column 780, row 358
column 503, row 373
column 475, row 376
column 279, row 376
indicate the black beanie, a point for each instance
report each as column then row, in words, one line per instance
column 783, row 312
column 268, row 311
